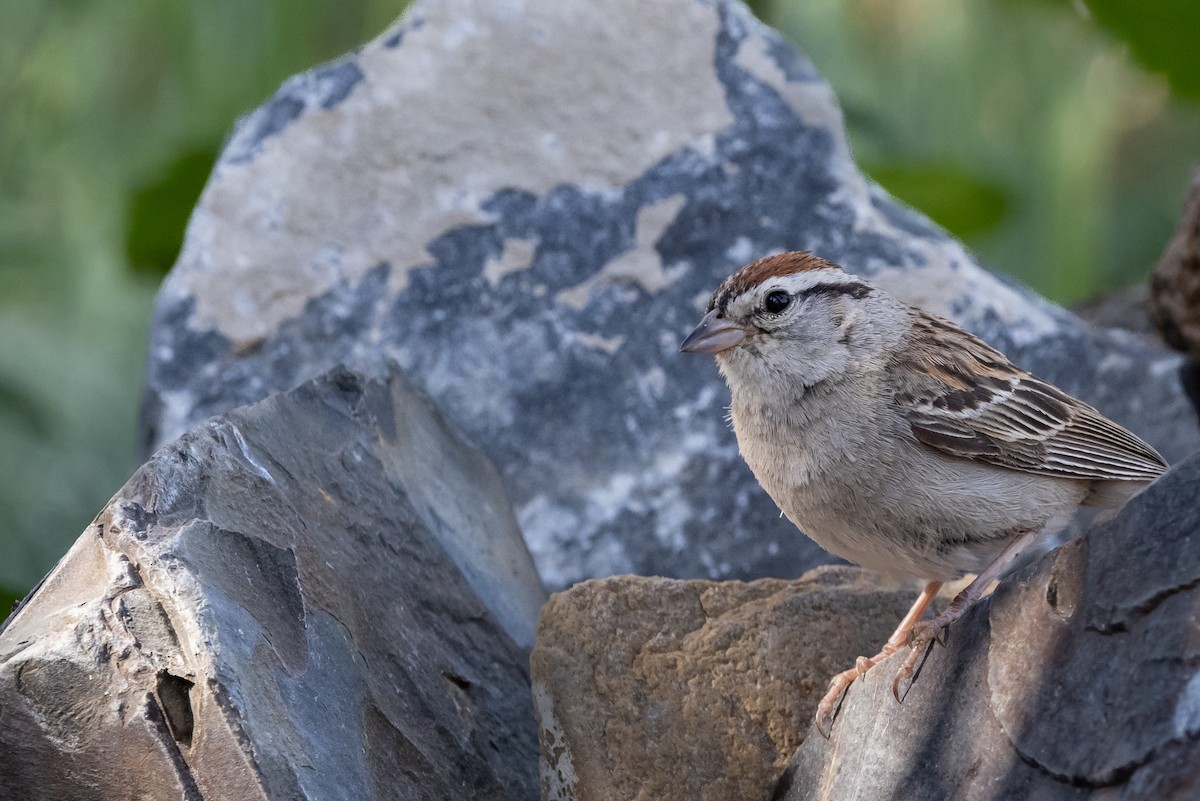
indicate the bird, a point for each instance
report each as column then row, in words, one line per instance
column 900, row 442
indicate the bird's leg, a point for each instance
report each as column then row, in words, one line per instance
column 923, row 634
column 839, row 683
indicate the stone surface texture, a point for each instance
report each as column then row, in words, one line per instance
column 526, row 205
column 1126, row 308
column 1175, row 285
column 271, row 609
column 652, row 688
column 1078, row 679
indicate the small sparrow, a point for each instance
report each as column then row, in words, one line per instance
column 898, row 441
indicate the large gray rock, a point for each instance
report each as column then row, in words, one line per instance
column 284, row 604
column 1078, row 679
column 526, row 204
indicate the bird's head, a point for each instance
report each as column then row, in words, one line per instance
column 794, row 319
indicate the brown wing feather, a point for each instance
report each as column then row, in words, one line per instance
column 966, row 399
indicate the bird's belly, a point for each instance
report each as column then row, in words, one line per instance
column 925, row 520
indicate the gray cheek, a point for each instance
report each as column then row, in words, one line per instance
column 753, row 347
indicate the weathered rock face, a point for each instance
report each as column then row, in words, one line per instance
column 666, row 689
column 526, row 205
column 1175, row 286
column 1077, row 679
column 1126, row 309
column 284, row 604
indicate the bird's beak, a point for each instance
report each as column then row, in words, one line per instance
column 713, row 335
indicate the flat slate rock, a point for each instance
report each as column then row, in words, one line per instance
column 284, row 603
column 1078, row 679
column 526, row 205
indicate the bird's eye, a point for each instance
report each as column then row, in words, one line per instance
column 777, row 301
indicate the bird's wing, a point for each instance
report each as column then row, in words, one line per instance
column 965, row 398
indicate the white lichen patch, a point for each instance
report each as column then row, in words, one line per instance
column 516, row 256
column 742, row 252
column 609, row 345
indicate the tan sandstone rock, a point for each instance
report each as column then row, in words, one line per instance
column 653, row 688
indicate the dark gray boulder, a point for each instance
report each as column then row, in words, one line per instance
column 1078, row 679
column 284, row 603
column 526, row 206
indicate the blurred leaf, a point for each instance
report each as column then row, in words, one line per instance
column 1161, row 35
column 159, row 211
column 24, row 408
column 963, row 203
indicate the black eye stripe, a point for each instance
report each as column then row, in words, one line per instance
column 852, row 288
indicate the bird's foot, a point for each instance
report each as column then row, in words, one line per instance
column 839, row 684
column 923, row 636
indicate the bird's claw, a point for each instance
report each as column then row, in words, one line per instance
column 903, row 676
column 823, row 721
column 924, row 635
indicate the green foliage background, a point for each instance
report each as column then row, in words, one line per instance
column 1054, row 137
